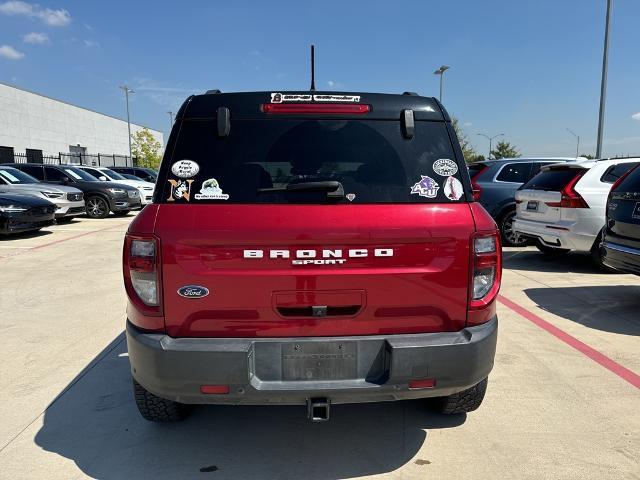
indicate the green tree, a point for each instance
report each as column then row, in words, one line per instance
column 146, row 149
column 468, row 151
column 505, row 150
column 588, row 156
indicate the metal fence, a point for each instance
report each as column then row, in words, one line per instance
column 96, row 160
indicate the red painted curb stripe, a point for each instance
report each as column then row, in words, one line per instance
column 55, row 242
column 592, row 353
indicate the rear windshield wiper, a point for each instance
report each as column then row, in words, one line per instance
column 333, row 188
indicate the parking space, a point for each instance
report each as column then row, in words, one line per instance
column 563, row 399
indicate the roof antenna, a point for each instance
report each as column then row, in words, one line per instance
column 313, row 68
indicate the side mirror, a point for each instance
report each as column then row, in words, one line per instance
column 102, row 178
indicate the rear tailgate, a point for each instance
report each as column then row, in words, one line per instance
column 390, row 269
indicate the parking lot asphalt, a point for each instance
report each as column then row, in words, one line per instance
column 562, row 403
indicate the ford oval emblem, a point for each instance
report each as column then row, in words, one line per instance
column 193, row 291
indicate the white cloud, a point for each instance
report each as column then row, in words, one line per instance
column 36, row 38
column 636, row 116
column 53, row 18
column 334, row 84
column 11, row 53
column 90, row 44
column 467, row 124
column 169, row 97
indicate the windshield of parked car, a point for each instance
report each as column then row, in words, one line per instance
column 13, row 176
column 79, row 174
column 312, row 161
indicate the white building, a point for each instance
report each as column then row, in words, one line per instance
column 37, row 125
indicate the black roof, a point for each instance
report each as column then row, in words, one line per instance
column 248, row 104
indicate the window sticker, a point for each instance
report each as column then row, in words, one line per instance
column 73, row 174
column 280, row 98
column 445, row 167
column 185, row 168
column 426, row 187
column 295, row 97
column 351, row 196
column 180, row 189
column 211, row 190
column 453, row 188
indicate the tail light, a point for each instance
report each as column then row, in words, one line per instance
column 486, row 271
column 569, row 197
column 142, row 273
column 477, row 190
column 318, row 108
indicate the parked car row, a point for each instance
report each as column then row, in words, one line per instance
column 70, row 190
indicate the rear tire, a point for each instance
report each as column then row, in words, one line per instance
column 462, row 402
column 122, row 213
column 156, row 409
column 596, row 255
column 551, row 251
column 509, row 237
column 97, row 207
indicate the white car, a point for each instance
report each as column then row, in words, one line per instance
column 107, row 175
column 563, row 207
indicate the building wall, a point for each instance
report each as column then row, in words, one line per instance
column 29, row 120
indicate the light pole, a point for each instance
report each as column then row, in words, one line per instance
column 603, row 84
column 578, row 137
column 440, row 72
column 127, row 91
column 490, row 140
column 170, row 120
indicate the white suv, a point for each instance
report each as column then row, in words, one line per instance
column 563, row 207
column 107, row 175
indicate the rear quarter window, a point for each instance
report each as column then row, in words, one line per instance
column 260, row 158
column 514, row 173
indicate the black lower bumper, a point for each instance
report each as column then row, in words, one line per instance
column 291, row 370
column 24, row 223
column 621, row 257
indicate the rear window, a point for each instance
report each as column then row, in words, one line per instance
column 614, row 172
column 293, row 161
column 552, row 180
column 631, row 183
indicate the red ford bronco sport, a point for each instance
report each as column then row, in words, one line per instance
column 310, row 248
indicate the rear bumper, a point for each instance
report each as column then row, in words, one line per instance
column 555, row 235
column 175, row 368
column 621, row 257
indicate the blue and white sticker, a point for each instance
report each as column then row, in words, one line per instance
column 277, row 97
column 426, row 187
column 211, row 190
column 185, row 168
column 445, row 167
column 453, row 188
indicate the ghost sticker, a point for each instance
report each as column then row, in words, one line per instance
column 445, row 167
column 453, row 188
column 426, row 187
column 180, row 189
column 211, row 190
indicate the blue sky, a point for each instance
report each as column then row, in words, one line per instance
column 529, row 69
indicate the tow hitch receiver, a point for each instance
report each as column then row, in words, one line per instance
column 318, row 409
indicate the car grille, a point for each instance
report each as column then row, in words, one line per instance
column 133, row 194
column 74, row 197
column 40, row 210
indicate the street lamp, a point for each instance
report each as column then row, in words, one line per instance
column 127, row 91
column 440, row 72
column 603, row 84
column 578, row 137
column 490, row 140
column 170, row 120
